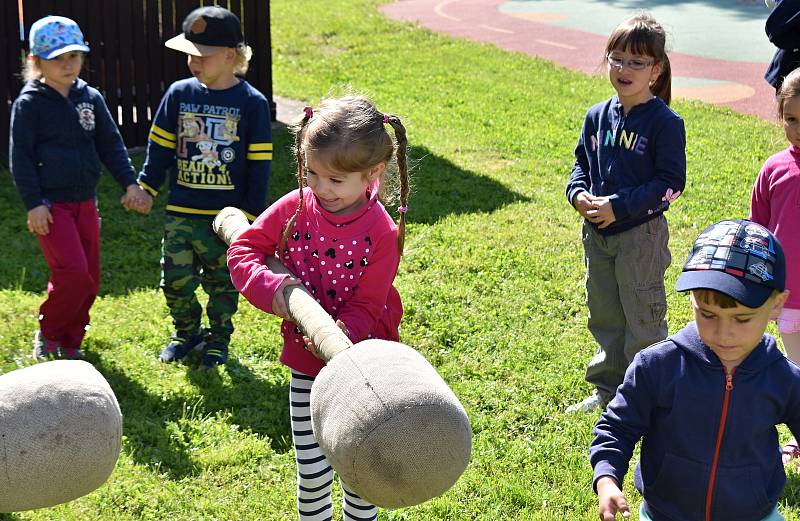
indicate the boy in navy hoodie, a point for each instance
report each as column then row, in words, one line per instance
column 706, row 400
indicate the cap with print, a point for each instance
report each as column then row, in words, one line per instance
column 206, row 30
column 738, row 258
column 53, row 36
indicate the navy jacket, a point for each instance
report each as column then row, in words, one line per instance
column 639, row 159
column 783, row 30
column 673, row 398
column 217, row 146
column 58, row 143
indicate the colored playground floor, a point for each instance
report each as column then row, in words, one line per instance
column 718, row 49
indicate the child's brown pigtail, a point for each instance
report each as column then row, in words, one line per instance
column 662, row 87
column 402, row 167
column 308, row 113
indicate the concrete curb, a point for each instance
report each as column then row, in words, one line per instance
column 288, row 111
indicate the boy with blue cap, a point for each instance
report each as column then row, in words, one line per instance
column 706, row 400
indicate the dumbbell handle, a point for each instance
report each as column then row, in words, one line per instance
column 305, row 311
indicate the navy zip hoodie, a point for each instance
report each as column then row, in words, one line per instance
column 58, row 143
column 638, row 159
column 672, row 398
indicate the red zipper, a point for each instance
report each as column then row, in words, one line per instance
column 720, row 432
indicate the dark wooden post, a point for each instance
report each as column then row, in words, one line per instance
column 128, row 61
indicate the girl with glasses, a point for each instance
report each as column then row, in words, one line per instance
column 630, row 165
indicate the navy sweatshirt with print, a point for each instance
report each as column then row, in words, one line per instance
column 637, row 159
column 676, row 398
column 57, row 144
column 218, row 146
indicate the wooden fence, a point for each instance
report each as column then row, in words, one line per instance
column 128, row 62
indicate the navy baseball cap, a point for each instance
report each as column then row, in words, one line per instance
column 206, row 30
column 738, row 258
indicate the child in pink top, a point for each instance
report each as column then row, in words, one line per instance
column 341, row 244
column 775, row 204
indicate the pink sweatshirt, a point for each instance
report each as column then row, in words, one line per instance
column 775, row 204
column 347, row 262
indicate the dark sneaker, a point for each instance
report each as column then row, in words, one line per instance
column 44, row 349
column 71, row 353
column 216, row 353
column 179, row 347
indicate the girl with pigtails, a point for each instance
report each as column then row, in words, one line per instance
column 337, row 238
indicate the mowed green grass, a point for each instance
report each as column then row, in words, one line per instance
column 492, row 283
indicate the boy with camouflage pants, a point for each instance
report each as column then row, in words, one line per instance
column 213, row 133
column 190, row 254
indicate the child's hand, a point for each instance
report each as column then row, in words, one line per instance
column 312, row 348
column 279, row 301
column 611, row 500
column 146, row 201
column 603, row 213
column 39, row 220
column 136, row 198
column 583, row 202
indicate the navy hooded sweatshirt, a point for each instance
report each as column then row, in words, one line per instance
column 58, row 143
column 638, row 159
column 673, row 398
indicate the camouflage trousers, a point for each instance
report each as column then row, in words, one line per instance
column 192, row 255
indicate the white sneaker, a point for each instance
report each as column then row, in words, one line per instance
column 589, row 404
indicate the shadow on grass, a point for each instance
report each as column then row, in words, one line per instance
column 131, row 242
column 147, row 418
column 746, row 9
column 441, row 188
column 253, row 404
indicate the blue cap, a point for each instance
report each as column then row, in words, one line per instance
column 738, row 258
column 53, row 36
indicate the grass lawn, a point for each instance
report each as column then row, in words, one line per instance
column 492, row 282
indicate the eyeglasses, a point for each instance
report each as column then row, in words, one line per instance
column 635, row 64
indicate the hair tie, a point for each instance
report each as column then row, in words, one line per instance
column 386, row 118
column 402, row 209
column 309, row 112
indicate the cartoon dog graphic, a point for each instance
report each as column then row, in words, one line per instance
column 230, row 129
column 190, row 126
column 208, row 151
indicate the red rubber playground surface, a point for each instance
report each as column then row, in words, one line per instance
column 722, row 62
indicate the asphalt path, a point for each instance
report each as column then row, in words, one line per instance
column 718, row 49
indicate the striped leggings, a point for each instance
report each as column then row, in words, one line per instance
column 314, row 473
